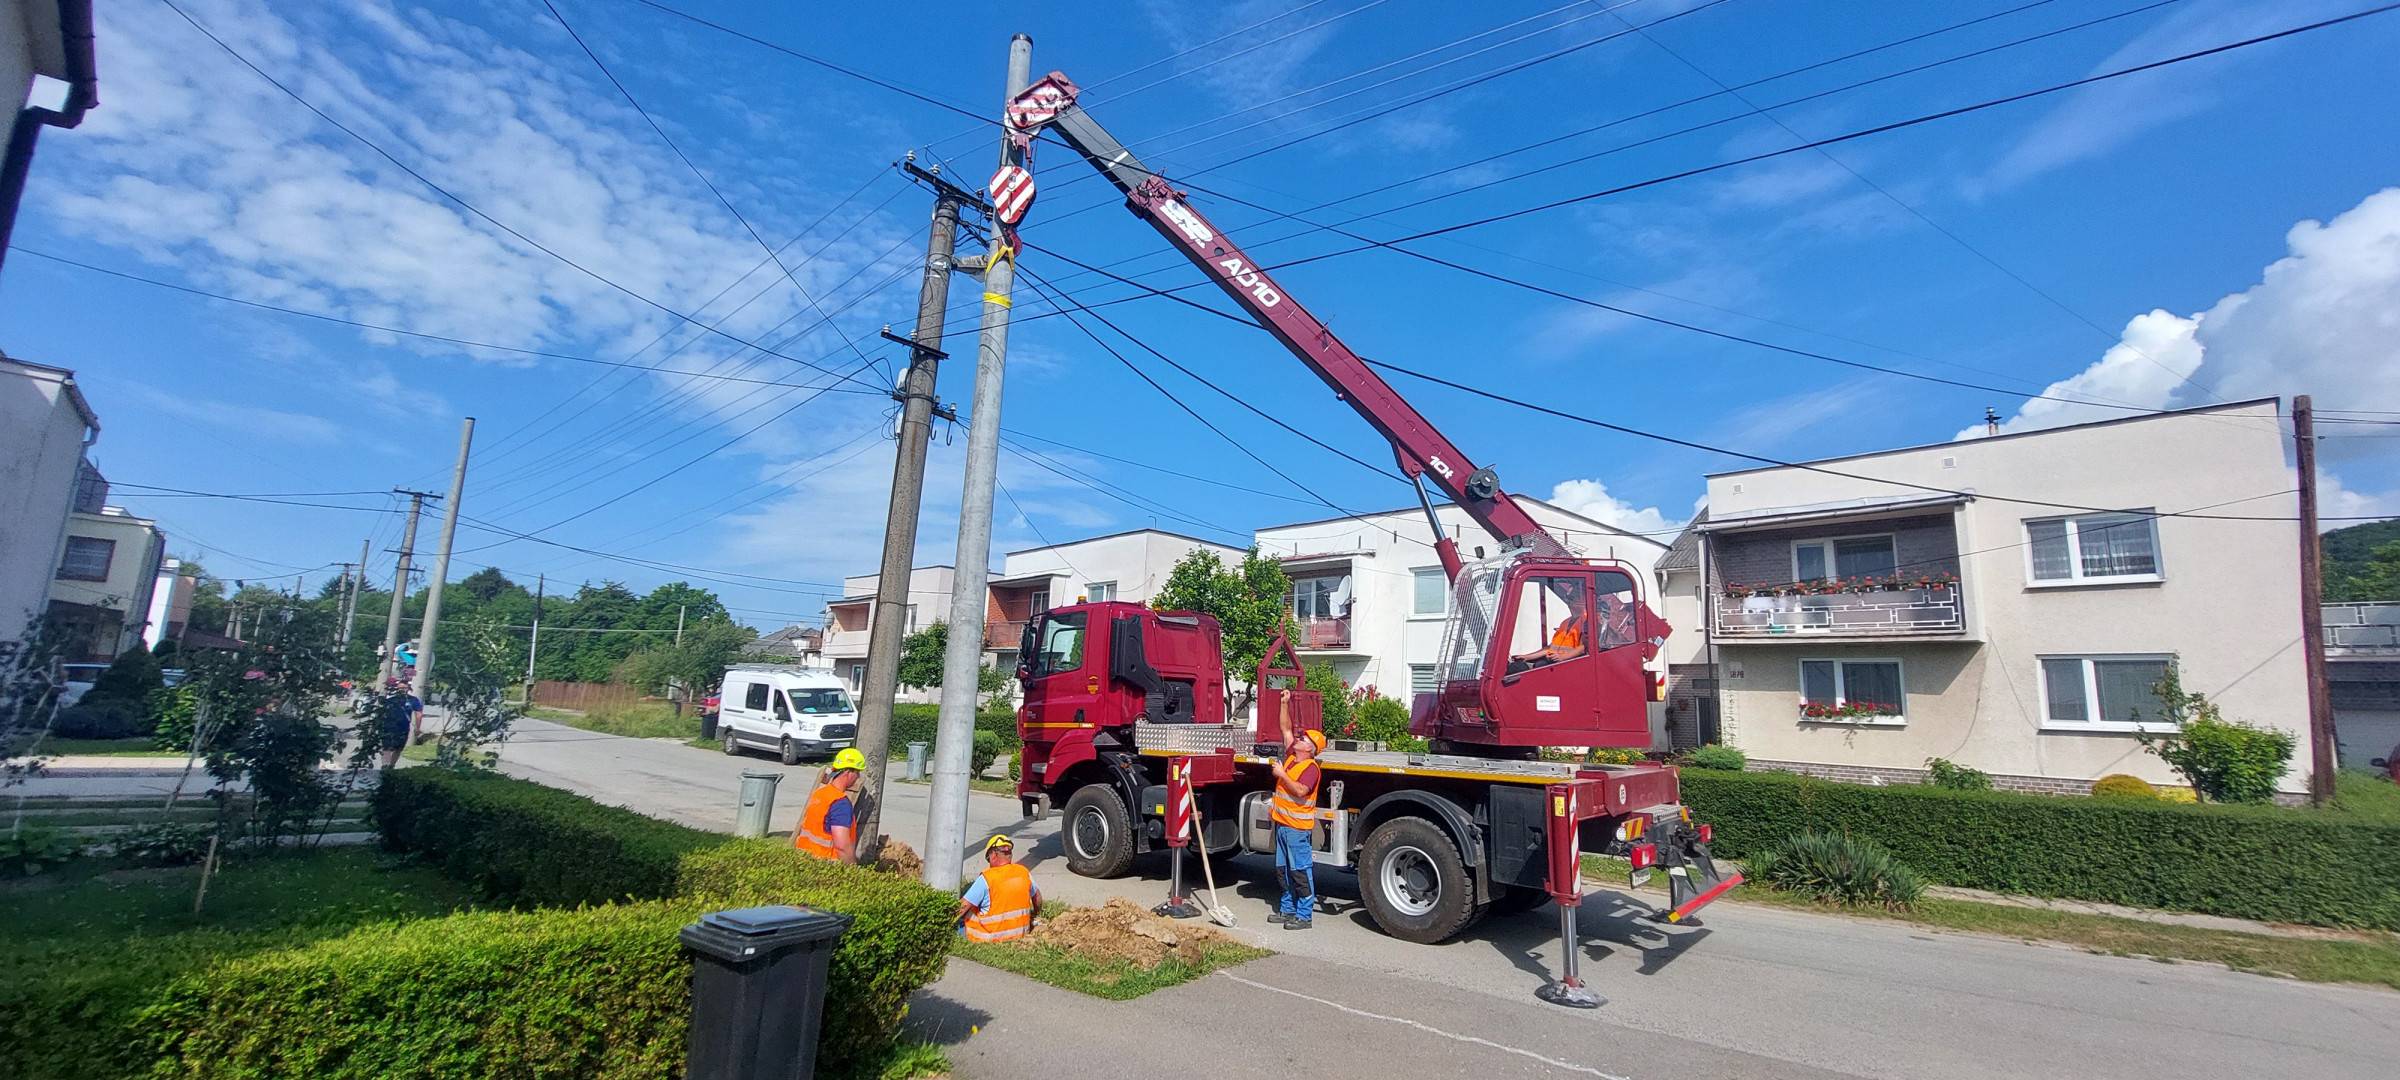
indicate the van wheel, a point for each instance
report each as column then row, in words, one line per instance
column 1097, row 833
column 1414, row 883
column 788, row 751
column 731, row 745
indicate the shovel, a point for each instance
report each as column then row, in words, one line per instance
column 1217, row 912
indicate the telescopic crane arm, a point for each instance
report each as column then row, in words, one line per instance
column 1422, row 451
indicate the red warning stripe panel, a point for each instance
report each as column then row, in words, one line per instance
column 1011, row 191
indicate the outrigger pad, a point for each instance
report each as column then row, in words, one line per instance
column 1179, row 908
column 1569, row 995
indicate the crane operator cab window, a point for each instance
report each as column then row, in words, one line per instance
column 1553, row 621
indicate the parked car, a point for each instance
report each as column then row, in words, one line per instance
column 79, row 680
column 792, row 711
column 174, row 676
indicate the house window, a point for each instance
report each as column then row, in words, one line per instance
column 1431, row 595
column 2092, row 548
column 1848, row 557
column 87, row 559
column 1852, row 691
column 1039, row 603
column 2104, row 693
column 1097, row 591
column 1421, row 679
column 1321, row 597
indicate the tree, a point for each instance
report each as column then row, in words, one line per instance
column 696, row 664
column 1250, row 601
column 2223, row 760
column 921, row 656
column 2375, row 578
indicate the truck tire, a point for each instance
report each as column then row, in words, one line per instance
column 1097, row 832
column 1414, row 883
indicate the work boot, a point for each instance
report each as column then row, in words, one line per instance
column 1278, row 918
column 1299, row 924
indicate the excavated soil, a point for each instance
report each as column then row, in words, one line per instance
column 895, row 857
column 1121, row 931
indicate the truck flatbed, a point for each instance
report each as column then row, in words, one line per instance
column 1163, row 740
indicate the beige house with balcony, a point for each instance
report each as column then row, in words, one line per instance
column 2005, row 602
column 108, row 569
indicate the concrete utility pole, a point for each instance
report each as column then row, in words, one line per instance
column 962, row 657
column 391, row 623
column 541, row 584
column 358, row 585
column 2312, row 605
column 888, row 618
column 441, row 567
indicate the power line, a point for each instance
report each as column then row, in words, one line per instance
column 824, row 63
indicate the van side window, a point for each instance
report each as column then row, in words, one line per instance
column 756, row 697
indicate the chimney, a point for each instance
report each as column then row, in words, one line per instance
column 1991, row 421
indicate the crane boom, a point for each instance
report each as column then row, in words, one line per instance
column 1421, row 450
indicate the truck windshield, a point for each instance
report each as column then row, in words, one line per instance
column 821, row 701
column 1060, row 645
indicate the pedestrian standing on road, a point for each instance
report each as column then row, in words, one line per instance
column 1294, row 810
column 400, row 710
column 1001, row 902
column 827, row 827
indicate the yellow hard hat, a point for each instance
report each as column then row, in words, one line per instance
column 997, row 842
column 849, row 758
column 1316, row 738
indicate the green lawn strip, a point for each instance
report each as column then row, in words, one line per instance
column 1112, row 980
column 2369, row 957
column 913, row 1059
column 983, row 784
column 2365, row 796
column 632, row 721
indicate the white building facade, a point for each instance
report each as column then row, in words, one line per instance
column 1128, row 566
column 45, row 426
column 2008, row 602
column 1370, row 597
column 848, row 622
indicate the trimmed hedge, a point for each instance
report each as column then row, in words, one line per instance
column 917, row 722
column 2250, row 862
column 524, row 844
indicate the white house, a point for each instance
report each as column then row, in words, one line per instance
column 1370, row 595
column 1128, row 566
column 45, row 426
column 2006, row 602
column 847, row 622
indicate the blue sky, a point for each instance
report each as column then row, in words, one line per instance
column 2212, row 230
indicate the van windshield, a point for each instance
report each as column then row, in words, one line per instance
column 821, row 701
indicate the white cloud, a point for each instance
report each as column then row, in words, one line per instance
column 2149, row 363
column 251, row 421
column 2337, row 503
column 1591, row 499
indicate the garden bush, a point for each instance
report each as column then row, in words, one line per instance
column 919, row 722
column 2121, row 786
column 108, row 718
column 522, row 843
column 1713, row 756
column 1945, row 773
column 985, row 752
column 2253, row 862
column 1616, row 755
column 1838, row 870
column 2223, row 760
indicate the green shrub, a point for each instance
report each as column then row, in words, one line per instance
column 107, row 718
column 2250, row 862
column 599, row 992
column 986, row 751
column 1841, row 870
column 2223, row 760
column 2122, row 786
column 129, row 678
column 1016, row 762
column 1616, row 755
column 163, row 844
column 920, row 722
column 1944, row 773
column 1331, row 690
column 522, row 843
column 1385, row 720
column 174, row 713
column 1713, row 756
column 31, row 849
column 68, row 1014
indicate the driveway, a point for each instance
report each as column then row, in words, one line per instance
column 1756, row 992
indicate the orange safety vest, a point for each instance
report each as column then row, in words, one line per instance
column 1008, row 910
column 812, row 835
column 1569, row 634
column 1300, row 813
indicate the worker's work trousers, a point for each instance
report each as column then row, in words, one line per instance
column 1296, row 871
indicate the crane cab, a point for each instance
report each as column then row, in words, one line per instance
column 1544, row 651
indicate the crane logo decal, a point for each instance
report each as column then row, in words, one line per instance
column 1182, row 218
column 1241, row 274
column 1442, row 467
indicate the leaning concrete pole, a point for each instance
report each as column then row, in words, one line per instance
column 888, row 618
column 954, row 739
column 432, row 628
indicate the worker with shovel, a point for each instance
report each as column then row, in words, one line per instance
column 1294, row 810
column 1000, row 904
column 827, row 828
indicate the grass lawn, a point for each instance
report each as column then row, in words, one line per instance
column 1114, row 980
column 2364, row 957
column 985, row 784
column 2366, row 796
column 633, row 721
column 97, row 902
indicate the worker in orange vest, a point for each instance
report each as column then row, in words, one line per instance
column 1567, row 642
column 1001, row 902
column 826, row 828
column 1294, row 809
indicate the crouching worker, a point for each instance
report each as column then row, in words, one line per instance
column 827, row 827
column 1000, row 903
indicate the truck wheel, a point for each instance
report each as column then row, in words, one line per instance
column 788, row 751
column 1097, row 832
column 1414, row 883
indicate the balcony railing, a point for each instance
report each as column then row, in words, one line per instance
column 2368, row 628
column 1003, row 633
column 1913, row 611
column 1320, row 633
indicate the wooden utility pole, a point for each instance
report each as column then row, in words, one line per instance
column 541, row 584
column 391, row 622
column 2312, row 605
column 888, row 617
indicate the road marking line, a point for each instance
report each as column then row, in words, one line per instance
column 1430, row 1029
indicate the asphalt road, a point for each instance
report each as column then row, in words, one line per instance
column 1758, row 992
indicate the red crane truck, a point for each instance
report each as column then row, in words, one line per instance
column 1542, row 648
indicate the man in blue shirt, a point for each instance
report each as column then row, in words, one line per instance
column 400, row 710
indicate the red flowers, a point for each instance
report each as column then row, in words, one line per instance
column 1848, row 710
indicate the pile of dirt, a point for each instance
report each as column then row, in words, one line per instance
column 1121, row 931
column 895, row 857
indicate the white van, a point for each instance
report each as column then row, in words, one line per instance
column 793, row 711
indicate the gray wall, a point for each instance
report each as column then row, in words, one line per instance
column 1923, row 545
